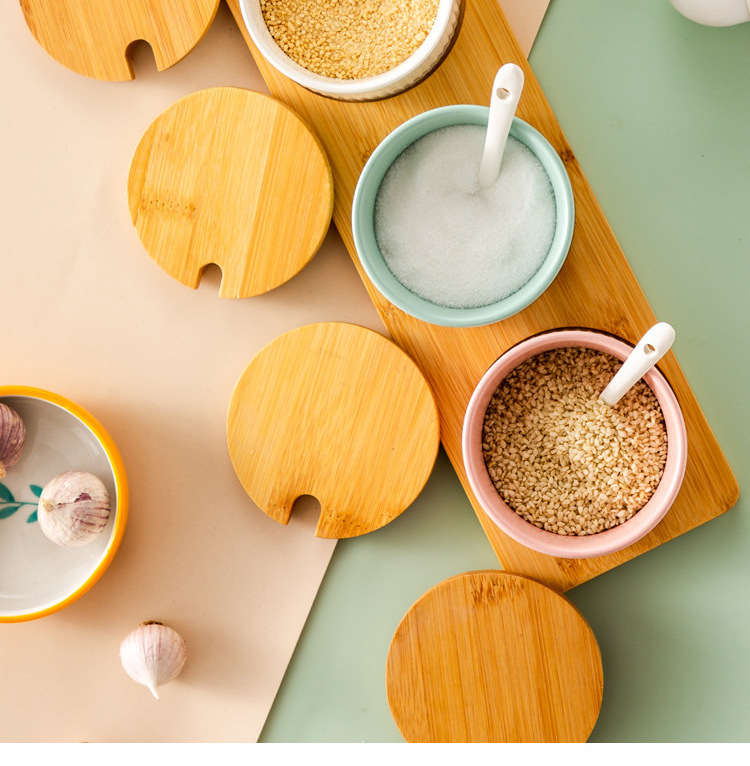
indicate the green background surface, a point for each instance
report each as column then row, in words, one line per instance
column 657, row 110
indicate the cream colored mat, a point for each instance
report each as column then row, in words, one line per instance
column 87, row 314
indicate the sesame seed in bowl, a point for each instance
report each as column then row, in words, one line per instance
column 555, row 467
column 353, row 50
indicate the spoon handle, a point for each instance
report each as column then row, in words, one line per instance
column 648, row 351
column 506, row 90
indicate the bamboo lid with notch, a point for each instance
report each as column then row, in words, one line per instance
column 339, row 412
column 94, row 37
column 234, row 178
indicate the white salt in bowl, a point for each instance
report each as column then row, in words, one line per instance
column 403, row 76
column 38, row 577
column 567, row 546
column 366, row 242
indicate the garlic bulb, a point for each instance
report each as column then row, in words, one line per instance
column 12, row 438
column 73, row 508
column 152, row 655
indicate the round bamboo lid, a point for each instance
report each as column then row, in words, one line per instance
column 493, row 657
column 94, row 38
column 235, row 178
column 341, row 413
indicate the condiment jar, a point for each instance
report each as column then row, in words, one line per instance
column 408, row 73
column 364, row 213
column 572, row 546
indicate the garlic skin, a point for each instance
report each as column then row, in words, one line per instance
column 152, row 655
column 73, row 508
column 12, row 438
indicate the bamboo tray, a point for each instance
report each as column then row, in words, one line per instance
column 596, row 287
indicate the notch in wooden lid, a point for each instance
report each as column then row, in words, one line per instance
column 230, row 177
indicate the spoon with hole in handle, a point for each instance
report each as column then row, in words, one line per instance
column 506, row 90
column 648, row 351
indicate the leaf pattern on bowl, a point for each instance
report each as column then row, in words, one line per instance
column 9, row 505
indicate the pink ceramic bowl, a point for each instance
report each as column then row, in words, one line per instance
column 561, row 546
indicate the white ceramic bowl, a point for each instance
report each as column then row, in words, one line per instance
column 396, row 80
column 584, row 546
column 363, row 218
column 38, row 577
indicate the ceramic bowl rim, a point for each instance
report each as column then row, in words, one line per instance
column 121, row 487
column 361, row 87
column 369, row 254
column 524, row 532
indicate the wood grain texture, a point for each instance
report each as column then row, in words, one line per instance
column 494, row 657
column 596, row 287
column 339, row 412
column 94, row 37
column 231, row 177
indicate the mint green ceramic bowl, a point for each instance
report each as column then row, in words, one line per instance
column 363, row 209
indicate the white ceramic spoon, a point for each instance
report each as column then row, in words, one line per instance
column 506, row 90
column 648, row 351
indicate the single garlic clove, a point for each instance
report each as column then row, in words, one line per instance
column 12, row 438
column 73, row 508
column 152, row 655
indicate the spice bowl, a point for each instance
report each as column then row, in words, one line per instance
column 533, row 439
column 466, row 309
column 38, row 576
column 345, row 86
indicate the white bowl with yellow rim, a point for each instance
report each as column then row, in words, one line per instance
column 38, row 577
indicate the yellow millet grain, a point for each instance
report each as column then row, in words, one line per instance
column 561, row 458
column 349, row 39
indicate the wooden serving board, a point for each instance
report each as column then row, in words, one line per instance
column 494, row 657
column 596, row 287
column 95, row 37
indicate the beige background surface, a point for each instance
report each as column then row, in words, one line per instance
column 87, row 314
